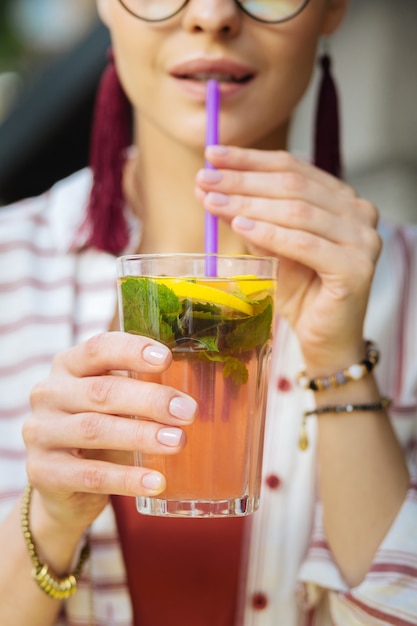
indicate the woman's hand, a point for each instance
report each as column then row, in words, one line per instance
column 324, row 235
column 79, row 444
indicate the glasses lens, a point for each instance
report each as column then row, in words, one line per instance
column 153, row 10
column 273, row 10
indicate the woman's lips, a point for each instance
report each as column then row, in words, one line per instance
column 192, row 76
column 196, row 89
column 221, row 78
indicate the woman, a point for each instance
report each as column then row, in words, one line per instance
column 356, row 565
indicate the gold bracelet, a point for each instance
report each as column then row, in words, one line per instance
column 54, row 587
column 380, row 405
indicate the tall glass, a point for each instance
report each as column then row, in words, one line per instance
column 219, row 328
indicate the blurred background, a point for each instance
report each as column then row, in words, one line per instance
column 32, row 34
column 52, row 53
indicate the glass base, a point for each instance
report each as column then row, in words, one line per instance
column 235, row 507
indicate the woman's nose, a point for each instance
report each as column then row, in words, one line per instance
column 221, row 17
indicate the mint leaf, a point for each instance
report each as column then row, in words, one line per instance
column 236, row 369
column 140, row 307
column 168, row 301
column 149, row 308
column 166, row 334
column 206, row 309
column 211, row 343
column 232, row 367
column 253, row 331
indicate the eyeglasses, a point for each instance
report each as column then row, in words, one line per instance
column 267, row 11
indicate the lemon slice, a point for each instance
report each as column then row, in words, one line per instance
column 243, row 285
column 251, row 285
column 204, row 293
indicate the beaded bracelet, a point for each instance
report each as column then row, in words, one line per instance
column 381, row 405
column 54, row 587
column 354, row 372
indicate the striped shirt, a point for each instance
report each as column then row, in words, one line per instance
column 54, row 293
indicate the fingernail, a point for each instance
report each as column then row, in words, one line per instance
column 243, row 223
column 220, row 199
column 209, row 176
column 183, row 407
column 155, row 355
column 219, row 150
column 153, row 481
column 169, row 436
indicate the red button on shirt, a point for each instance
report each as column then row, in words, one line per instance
column 284, row 384
column 259, row 601
column 273, row 481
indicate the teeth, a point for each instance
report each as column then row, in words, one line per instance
column 221, row 78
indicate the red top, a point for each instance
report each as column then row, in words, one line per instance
column 180, row 571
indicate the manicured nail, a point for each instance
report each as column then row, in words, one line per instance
column 169, row 436
column 219, row 150
column 155, row 355
column 243, row 223
column 183, row 407
column 209, row 176
column 153, row 481
column 220, row 199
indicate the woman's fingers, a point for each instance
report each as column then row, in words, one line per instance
column 324, row 256
column 79, row 439
column 79, row 415
column 280, row 161
column 324, row 235
column 95, row 431
column 262, row 160
column 115, row 395
column 290, row 214
column 276, row 162
column 61, row 473
column 289, row 208
column 245, row 175
column 114, row 351
column 283, row 186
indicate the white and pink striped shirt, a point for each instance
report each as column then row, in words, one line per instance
column 54, row 294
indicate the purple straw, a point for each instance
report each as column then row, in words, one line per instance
column 212, row 139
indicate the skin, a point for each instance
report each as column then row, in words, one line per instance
column 77, row 440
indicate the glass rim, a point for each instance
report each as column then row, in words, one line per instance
column 290, row 16
column 198, row 255
column 187, row 264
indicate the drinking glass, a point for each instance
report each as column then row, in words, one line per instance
column 219, row 328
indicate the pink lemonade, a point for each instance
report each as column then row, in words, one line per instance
column 220, row 334
column 217, row 462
